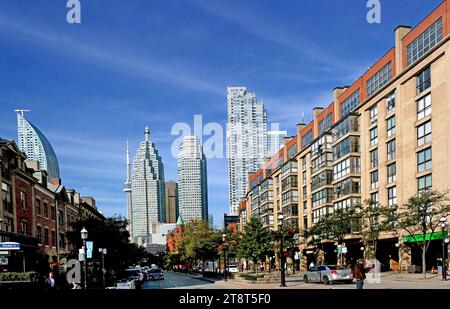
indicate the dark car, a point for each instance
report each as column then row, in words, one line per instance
column 155, row 274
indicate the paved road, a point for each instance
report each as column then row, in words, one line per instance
column 174, row 280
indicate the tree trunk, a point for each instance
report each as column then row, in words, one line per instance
column 424, row 261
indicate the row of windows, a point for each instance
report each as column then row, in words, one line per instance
column 348, row 105
column 321, row 180
column 348, row 145
column 307, row 139
column 326, row 123
column 424, row 42
column 350, row 124
column 322, row 197
column 349, row 165
column 379, row 79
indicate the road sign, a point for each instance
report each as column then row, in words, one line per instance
column 9, row 246
column 4, row 261
column 81, row 255
column 89, row 249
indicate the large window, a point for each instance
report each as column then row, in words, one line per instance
column 348, row 145
column 379, row 79
column 374, row 158
column 45, row 209
column 424, row 107
column 319, row 213
column 343, row 168
column 348, row 105
column 375, row 197
column 290, row 196
column 392, row 196
column 391, row 150
column 390, row 125
column 39, row 233
column 326, row 123
column 390, row 102
column 374, row 180
column 320, row 145
column 373, row 136
column 23, row 199
column 38, row 207
column 347, row 203
column 46, row 237
column 424, row 133
column 307, row 139
column 321, row 161
column 424, row 161
column 373, row 114
column 321, row 180
column 349, row 124
column 53, row 238
column 347, row 186
column 392, row 172
column 424, row 42
column 423, row 80
column 424, row 184
column 322, row 197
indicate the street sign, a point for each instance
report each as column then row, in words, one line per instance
column 344, row 250
column 9, row 246
column 4, row 261
column 89, row 249
column 81, row 255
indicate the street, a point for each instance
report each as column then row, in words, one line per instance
column 178, row 281
column 175, row 280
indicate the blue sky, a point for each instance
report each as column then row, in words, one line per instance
column 135, row 63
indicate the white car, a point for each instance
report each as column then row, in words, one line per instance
column 233, row 269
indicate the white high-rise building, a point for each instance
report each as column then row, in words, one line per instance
column 147, row 191
column 275, row 141
column 36, row 146
column 246, row 140
column 192, row 181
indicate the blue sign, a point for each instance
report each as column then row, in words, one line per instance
column 89, row 249
column 9, row 246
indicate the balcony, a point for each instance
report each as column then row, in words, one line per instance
column 289, row 168
column 346, row 187
column 348, row 125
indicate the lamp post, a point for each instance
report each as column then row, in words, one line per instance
column 398, row 246
column 283, row 278
column 443, row 221
column 224, row 239
column 84, row 237
column 103, row 252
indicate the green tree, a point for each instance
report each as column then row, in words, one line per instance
column 199, row 242
column 420, row 217
column 255, row 243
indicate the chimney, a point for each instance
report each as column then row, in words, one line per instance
column 55, row 181
column 33, row 164
column 300, row 127
column 400, row 32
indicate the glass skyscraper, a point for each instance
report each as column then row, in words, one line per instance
column 192, row 181
column 36, row 146
column 246, row 141
column 147, row 191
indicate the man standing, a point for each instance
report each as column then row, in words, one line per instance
column 359, row 273
column 50, row 282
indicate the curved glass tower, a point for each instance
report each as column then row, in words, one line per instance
column 36, row 146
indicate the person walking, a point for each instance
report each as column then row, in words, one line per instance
column 311, row 265
column 359, row 273
column 50, row 282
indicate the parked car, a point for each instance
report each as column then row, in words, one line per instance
column 156, row 274
column 233, row 269
column 131, row 274
column 328, row 274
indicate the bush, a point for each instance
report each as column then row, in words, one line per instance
column 250, row 277
column 9, row 276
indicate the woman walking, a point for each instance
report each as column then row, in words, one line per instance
column 359, row 273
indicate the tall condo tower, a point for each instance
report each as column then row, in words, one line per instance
column 36, row 146
column 147, row 191
column 246, row 141
column 192, row 180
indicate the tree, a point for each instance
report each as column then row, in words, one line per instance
column 336, row 225
column 420, row 217
column 255, row 243
column 199, row 242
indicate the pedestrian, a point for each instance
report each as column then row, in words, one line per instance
column 359, row 273
column 311, row 265
column 50, row 282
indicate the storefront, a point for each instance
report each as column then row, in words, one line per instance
column 434, row 252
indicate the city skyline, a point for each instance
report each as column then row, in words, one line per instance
column 86, row 85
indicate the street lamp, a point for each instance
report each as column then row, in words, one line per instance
column 443, row 222
column 103, row 252
column 283, row 278
column 224, row 239
column 84, row 237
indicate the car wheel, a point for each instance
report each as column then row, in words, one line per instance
column 326, row 280
column 305, row 279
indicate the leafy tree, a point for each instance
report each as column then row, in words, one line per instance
column 421, row 216
column 336, row 225
column 255, row 243
column 199, row 242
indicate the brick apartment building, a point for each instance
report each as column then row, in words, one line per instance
column 384, row 138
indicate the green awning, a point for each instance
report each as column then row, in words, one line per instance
column 419, row 237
